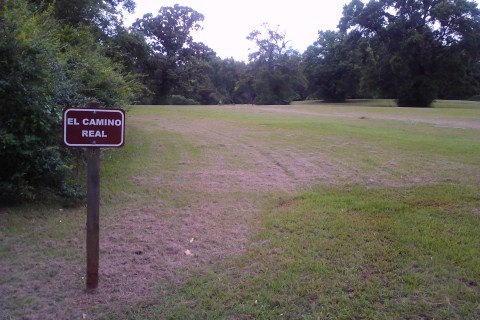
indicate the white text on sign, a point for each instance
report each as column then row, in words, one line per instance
column 94, row 134
column 95, row 122
column 98, row 127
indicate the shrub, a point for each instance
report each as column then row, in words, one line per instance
column 41, row 72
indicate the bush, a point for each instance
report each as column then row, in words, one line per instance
column 29, row 118
column 41, row 72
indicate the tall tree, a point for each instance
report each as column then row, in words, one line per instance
column 193, row 69
column 416, row 48
column 276, row 68
column 129, row 49
column 173, row 50
column 169, row 32
column 225, row 75
column 332, row 66
column 105, row 16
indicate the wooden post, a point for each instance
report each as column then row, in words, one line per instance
column 85, row 128
column 93, row 215
column 81, row 131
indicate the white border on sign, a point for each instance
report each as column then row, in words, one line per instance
column 93, row 110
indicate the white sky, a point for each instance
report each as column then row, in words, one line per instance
column 228, row 22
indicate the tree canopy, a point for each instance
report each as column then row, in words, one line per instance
column 332, row 66
column 416, row 51
column 176, row 64
column 275, row 68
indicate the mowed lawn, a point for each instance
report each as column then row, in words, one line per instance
column 310, row 211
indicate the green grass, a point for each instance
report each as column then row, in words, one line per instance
column 347, row 253
column 147, row 152
column 390, row 103
column 406, row 246
column 350, row 251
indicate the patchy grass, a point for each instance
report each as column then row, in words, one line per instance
column 147, row 152
column 305, row 211
column 346, row 253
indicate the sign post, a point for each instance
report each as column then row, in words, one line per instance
column 93, row 216
column 93, row 128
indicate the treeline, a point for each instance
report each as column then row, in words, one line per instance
column 177, row 70
column 411, row 51
column 62, row 53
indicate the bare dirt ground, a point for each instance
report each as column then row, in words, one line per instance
column 147, row 249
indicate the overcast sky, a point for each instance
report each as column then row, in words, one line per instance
column 228, row 22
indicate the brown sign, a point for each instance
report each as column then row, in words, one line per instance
column 93, row 128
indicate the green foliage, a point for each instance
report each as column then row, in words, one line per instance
column 104, row 16
column 176, row 65
column 30, row 87
column 417, row 51
column 169, row 31
column 411, row 51
column 44, row 68
column 92, row 74
column 276, row 73
column 193, row 74
column 128, row 48
column 226, row 76
column 331, row 66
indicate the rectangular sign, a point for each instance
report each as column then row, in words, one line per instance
column 93, row 127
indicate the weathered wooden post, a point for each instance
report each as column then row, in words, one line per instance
column 93, row 216
column 93, row 128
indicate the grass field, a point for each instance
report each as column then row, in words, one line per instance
column 311, row 211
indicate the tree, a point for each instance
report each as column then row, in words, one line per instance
column 276, row 68
column 194, row 67
column 225, row 75
column 244, row 88
column 129, row 49
column 416, row 48
column 332, row 66
column 104, row 15
column 176, row 62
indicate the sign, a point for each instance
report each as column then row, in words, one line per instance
column 93, row 127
